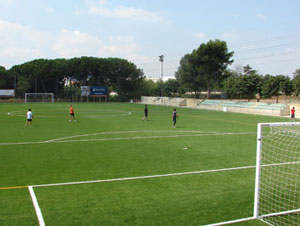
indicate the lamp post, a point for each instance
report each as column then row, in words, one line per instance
column 161, row 59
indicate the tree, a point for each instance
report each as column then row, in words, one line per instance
column 211, row 60
column 126, row 78
column 296, row 81
column 276, row 85
column 159, row 87
column 23, row 86
column 171, row 87
column 250, row 84
column 73, row 92
column 5, row 79
column 232, row 86
column 187, row 75
column 247, row 70
column 243, row 85
column 286, row 85
column 147, row 88
column 43, row 75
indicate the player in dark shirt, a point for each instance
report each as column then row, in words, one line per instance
column 145, row 113
column 174, row 116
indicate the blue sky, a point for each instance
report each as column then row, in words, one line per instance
column 263, row 33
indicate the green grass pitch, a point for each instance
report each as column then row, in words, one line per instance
column 109, row 141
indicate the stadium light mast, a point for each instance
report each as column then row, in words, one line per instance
column 161, row 59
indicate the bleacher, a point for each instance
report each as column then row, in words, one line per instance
column 211, row 102
column 268, row 106
column 240, row 104
column 237, row 106
column 244, row 104
column 246, row 107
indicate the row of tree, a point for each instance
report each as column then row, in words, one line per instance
column 42, row 76
column 204, row 69
column 250, row 83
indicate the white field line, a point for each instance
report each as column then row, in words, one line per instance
column 127, row 132
column 93, row 134
column 40, row 216
column 36, row 206
column 231, row 222
column 145, row 177
column 66, row 114
column 122, row 138
column 163, row 175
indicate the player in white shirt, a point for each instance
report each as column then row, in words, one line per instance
column 29, row 118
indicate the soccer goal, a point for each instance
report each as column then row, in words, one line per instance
column 277, row 185
column 39, row 97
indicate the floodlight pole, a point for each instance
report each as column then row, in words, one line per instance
column 161, row 59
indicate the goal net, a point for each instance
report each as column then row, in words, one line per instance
column 39, row 97
column 277, row 189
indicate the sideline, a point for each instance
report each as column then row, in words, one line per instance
column 133, row 178
column 144, row 177
column 151, row 176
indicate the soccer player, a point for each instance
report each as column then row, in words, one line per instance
column 293, row 114
column 174, row 116
column 145, row 113
column 29, row 117
column 72, row 114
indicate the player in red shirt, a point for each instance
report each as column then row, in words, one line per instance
column 72, row 115
column 293, row 114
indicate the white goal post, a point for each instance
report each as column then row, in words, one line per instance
column 39, row 97
column 277, row 182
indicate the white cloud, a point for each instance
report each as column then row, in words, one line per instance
column 116, row 50
column 229, row 36
column 201, row 35
column 19, row 43
column 12, row 52
column 75, row 43
column 11, row 33
column 139, row 59
column 261, row 17
column 125, row 12
column 120, row 39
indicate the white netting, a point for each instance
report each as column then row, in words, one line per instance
column 39, row 97
column 279, row 194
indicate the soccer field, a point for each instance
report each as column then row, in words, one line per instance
column 112, row 168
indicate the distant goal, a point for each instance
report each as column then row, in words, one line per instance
column 39, row 97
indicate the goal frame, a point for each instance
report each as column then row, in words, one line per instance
column 51, row 94
column 258, row 168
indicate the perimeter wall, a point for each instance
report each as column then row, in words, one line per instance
column 240, row 106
